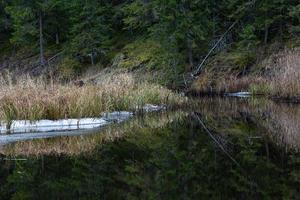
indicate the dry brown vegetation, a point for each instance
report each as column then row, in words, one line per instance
column 207, row 83
column 286, row 79
column 280, row 78
column 35, row 99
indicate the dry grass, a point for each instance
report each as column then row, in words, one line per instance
column 34, row 99
column 285, row 81
column 280, row 79
column 229, row 83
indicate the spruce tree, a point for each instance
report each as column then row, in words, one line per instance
column 91, row 28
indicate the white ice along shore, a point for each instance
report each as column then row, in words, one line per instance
column 26, row 126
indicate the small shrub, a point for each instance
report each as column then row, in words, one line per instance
column 68, row 68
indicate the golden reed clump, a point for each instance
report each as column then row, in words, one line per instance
column 34, row 99
column 286, row 75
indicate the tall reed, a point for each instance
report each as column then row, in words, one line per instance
column 285, row 81
column 35, row 99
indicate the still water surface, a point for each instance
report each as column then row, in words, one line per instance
column 221, row 148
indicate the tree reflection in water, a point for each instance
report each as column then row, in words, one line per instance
column 167, row 156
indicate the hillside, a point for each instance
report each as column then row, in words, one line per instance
column 162, row 42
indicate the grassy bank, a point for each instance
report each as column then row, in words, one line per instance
column 277, row 76
column 35, row 99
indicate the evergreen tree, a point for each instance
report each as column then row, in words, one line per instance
column 294, row 12
column 4, row 18
column 91, row 28
column 186, row 29
column 33, row 20
column 139, row 15
column 184, row 25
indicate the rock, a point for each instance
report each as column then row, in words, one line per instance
column 117, row 116
column 78, row 83
column 153, row 108
column 239, row 94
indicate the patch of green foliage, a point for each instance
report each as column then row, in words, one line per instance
column 142, row 53
column 68, row 68
column 146, row 55
column 233, row 61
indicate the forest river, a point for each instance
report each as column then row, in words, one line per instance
column 220, row 148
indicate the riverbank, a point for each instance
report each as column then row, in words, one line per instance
column 35, row 99
column 277, row 77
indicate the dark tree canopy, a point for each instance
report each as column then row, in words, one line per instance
column 97, row 29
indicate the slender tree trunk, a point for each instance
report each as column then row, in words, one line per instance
column 190, row 53
column 92, row 58
column 57, row 38
column 42, row 59
column 6, row 22
column 267, row 150
column 266, row 33
column 214, row 21
column 281, row 30
column 281, row 24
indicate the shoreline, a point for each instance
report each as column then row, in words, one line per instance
column 195, row 94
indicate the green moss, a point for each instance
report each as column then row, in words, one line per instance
column 141, row 53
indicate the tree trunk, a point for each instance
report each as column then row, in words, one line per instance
column 92, row 58
column 57, row 38
column 42, row 59
column 6, row 22
column 190, row 53
column 266, row 33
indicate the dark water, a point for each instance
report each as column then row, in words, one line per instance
column 219, row 149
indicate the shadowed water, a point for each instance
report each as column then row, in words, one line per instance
column 220, row 148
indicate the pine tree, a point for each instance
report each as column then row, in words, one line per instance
column 91, row 28
column 184, row 26
column 33, row 20
column 294, row 13
column 138, row 15
column 4, row 18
